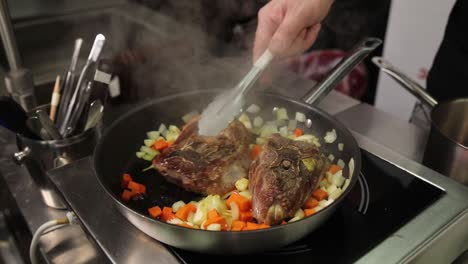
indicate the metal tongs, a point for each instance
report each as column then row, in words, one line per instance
column 228, row 104
column 82, row 90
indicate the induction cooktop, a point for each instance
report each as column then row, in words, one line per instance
column 383, row 200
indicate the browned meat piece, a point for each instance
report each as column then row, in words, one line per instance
column 283, row 177
column 208, row 165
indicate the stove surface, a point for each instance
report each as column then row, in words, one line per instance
column 384, row 199
column 398, row 211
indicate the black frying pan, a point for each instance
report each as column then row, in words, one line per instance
column 115, row 155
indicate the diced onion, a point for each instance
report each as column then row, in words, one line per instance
column 299, row 213
column 242, row 184
column 281, row 114
column 334, row 195
column 162, row 129
column 331, row 157
column 351, row 167
column 187, row 117
column 247, row 194
column 253, row 108
column 338, row 178
column 331, row 188
column 325, row 203
column 341, row 163
column 292, row 124
column 214, row 227
column 244, row 119
column 190, row 217
column 309, row 138
column 177, row 205
column 300, row 117
column 340, row 146
column 346, row 184
column 175, row 221
column 153, row 135
column 234, row 211
column 140, row 154
column 323, row 183
column 268, row 130
column 260, row 141
column 283, row 131
column 330, row 136
column 258, row 121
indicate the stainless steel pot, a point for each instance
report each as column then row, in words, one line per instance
column 447, row 146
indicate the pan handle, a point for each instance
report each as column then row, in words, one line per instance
column 409, row 84
column 346, row 65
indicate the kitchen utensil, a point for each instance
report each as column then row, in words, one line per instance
column 35, row 125
column 48, row 125
column 447, row 146
column 130, row 130
column 223, row 109
column 83, row 88
column 55, row 99
column 67, row 84
column 13, row 117
column 96, row 110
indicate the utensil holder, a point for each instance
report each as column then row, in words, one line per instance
column 41, row 156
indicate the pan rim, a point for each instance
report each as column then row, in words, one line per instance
column 357, row 161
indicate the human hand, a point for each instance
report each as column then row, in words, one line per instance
column 289, row 27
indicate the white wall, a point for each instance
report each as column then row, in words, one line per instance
column 414, row 32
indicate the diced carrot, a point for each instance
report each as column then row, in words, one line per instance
column 184, row 224
column 319, row 194
column 136, row 187
column 243, row 203
column 309, row 212
column 255, row 226
column 310, row 203
column 167, row 214
column 184, row 211
column 213, row 214
column 255, row 151
column 126, row 178
column 126, row 195
column 160, row 144
column 170, row 143
column 334, row 168
column 154, row 211
column 298, row 132
column 245, row 216
column 237, row 225
column 217, row 220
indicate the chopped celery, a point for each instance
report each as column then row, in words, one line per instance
column 283, row 131
column 153, row 134
column 300, row 117
column 148, row 157
column 140, row 154
column 174, row 129
column 149, row 167
column 309, row 163
column 150, row 142
column 171, row 135
column 149, row 151
column 282, row 113
column 292, row 124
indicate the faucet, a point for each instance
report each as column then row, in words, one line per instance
column 19, row 80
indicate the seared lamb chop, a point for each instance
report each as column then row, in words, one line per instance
column 283, row 177
column 208, row 165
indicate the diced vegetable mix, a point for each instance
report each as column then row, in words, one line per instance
column 233, row 211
